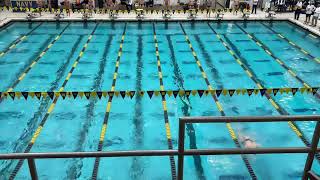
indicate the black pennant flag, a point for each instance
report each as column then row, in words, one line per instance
column 38, row 95
column 99, row 94
column 63, row 94
column 12, row 95
column 263, row 91
column 25, row 95
column 314, row 90
column 275, row 91
column 231, row 92
column 163, row 93
column 294, row 90
column 123, row 94
column 175, row 93
column 187, row 92
column 75, row 94
column 132, row 94
column 51, row 95
column 200, row 92
column 150, row 94
column 87, row 94
column 218, row 92
column 250, row 91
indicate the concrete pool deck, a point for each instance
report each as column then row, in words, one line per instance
column 7, row 16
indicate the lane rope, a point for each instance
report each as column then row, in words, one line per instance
column 279, row 61
column 292, row 43
column 18, row 40
column 164, row 104
column 51, row 108
column 34, row 62
column 220, row 108
column 275, row 104
column 108, row 108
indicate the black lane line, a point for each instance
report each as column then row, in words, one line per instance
column 291, row 43
column 164, row 104
column 18, row 40
column 73, row 171
column 32, row 123
column 278, row 60
column 106, row 115
column 51, row 108
column 222, row 113
column 185, row 110
column 208, row 58
column 260, row 83
column 136, row 167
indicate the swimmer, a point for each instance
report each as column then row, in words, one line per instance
column 247, row 142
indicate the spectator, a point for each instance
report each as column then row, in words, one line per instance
column 254, row 6
column 316, row 16
column 298, row 10
column 67, row 7
column 236, row 6
column 267, row 6
column 309, row 10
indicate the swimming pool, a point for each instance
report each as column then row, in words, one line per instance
column 120, row 56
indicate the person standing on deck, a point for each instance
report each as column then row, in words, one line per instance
column 316, row 16
column 298, row 10
column 309, row 10
column 254, row 6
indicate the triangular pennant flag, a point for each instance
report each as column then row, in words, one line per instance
column 224, row 92
column 123, row 94
column 314, row 90
column 94, row 94
column 141, row 93
column 44, row 94
column 294, row 90
column 99, row 94
column 231, row 92
column 238, row 91
column 175, row 93
column 12, row 95
column 104, row 94
column 31, row 94
column 256, row 91
column 275, row 91
column 282, row 90
column 250, row 91
column 25, row 95
column 116, row 93
column 69, row 94
column 81, row 94
column 156, row 93
column 187, row 92
column 206, row 92
column 74, row 94
column 200, row 93
column 163, row 93
column 18, row 95
column 87, row 94
column 50, row 94
column 181, row 93
column 38, row 95
column 169, row 93
column 302, row 90
column 111, row 93
column 194, row 92
column 63, row 94
column 132, row 93
column 263, row 91
column 218, row 92
column 150, row 94
column 212, row 92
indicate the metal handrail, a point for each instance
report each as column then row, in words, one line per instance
column 181, row 152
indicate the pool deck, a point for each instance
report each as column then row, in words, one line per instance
column 6, row 16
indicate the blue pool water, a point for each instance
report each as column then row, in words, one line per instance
column 138, row 123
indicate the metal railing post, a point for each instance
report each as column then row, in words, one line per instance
column 311, row 154
column 181, row 149
column 32, row 169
